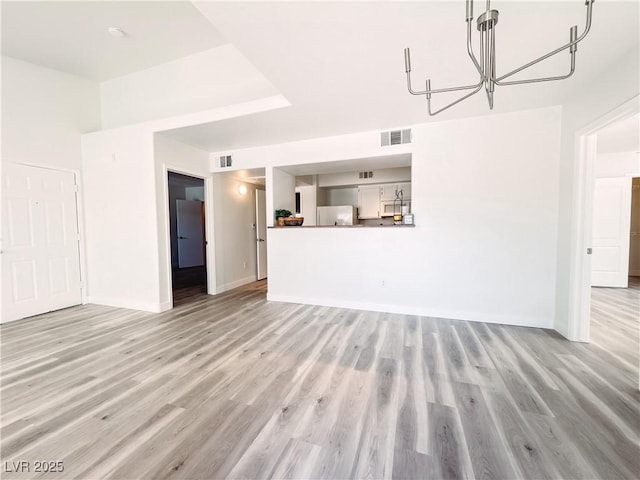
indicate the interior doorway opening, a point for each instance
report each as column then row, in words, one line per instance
column 580, row 289
column 187, row 221
column 615, row 263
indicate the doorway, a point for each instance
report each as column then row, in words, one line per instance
column 614, row 323
column 187, row 220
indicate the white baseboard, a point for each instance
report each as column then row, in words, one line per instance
column 521, row 321
column 164, row 306
column 235, row 284
column 130, row 304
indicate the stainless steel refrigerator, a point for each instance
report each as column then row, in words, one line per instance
column 341, row 215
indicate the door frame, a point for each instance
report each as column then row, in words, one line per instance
column 257, row 235
column 584, row 181
column 208, row 227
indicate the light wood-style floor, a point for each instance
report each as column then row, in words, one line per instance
column 234, row 386
column 615, row 318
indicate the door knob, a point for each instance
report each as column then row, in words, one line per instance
column 182, row 238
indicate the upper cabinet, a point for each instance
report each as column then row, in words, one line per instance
column 368, row 201
column 389, row 191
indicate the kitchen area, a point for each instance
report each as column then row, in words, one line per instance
column 348, row 208
column 365, row 197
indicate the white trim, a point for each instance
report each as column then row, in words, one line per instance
column 235, row 284
column 132, row 305
column 209, row 232
column 419, row 311
column 84, row 281
column 580, row 272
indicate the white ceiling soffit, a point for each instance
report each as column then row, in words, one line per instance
column 351, row 165
column 341, row 64
column 72, row 36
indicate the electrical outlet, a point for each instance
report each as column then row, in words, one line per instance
column 383, row 283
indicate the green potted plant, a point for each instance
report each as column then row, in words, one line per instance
column 281, row 214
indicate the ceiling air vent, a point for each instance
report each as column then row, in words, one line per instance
column 395, row 137
column 225, row 161
column 365, row 174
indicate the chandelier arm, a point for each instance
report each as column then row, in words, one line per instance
column 454, row 89
column 411, row 91
column 464, row 97
column 441, row 90
column 546, row 79
column 470, row 47
column 407, row 67
column 569, row 45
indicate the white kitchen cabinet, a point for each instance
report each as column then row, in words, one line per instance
column 369, row 201
column 388, row 191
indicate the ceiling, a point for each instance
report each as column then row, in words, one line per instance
column 72, row 36
column 340, row 64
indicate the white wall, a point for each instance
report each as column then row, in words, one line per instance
column 127, row 230
column 44, row 113
column 308, row 200
column 483, row 247
column 617, row 85
column 213, row 78
column 283, row 193
column 235, row 236
column 617, row 164
column 121, row 219
column 128, row 239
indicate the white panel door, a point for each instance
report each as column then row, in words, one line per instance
column 190, row 233
column 634, row 240
column 610, row 233
column 261, row 233
column 40, row 251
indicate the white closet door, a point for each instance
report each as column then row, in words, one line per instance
column 610, row 234
column 261, row 233
column 40, row 251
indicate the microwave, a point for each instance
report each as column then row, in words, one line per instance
column 386, row 208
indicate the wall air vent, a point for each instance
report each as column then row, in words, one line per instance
column 365, row 174
column 225, row 161
column 395, row 137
